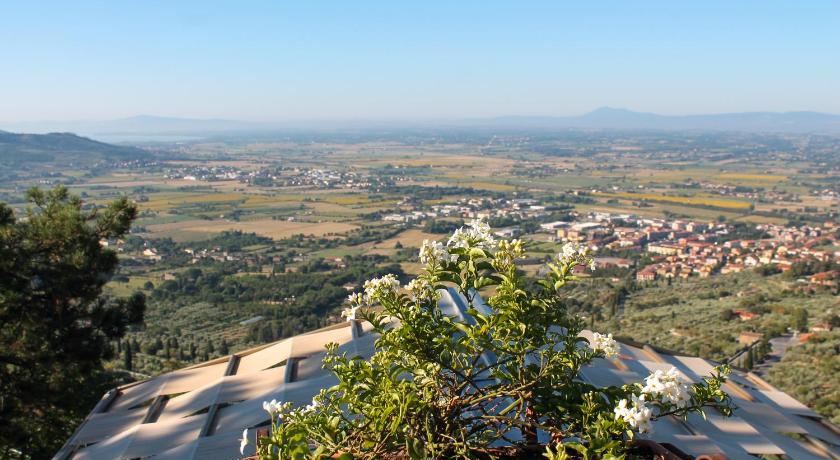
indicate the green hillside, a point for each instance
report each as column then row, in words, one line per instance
column 61, row 148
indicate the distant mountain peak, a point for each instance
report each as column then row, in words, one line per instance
column 608, row 109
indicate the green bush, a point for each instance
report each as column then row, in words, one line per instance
column 438, row 387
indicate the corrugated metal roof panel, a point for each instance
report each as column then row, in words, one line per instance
column 185, row 430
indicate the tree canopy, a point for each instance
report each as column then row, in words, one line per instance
column 55, row 322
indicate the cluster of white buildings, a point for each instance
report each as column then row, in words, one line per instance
column 486, row 208
column 205, row 173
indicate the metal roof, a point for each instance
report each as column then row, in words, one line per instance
column 199, row 412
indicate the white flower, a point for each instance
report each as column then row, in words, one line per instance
column 637, row 415
column 574, row 252
column 357, row 301
column 478, row 235
column 435, row 251
column 314, row 405
column 272, row 406
column 350, row 313
column 421, row 289
column 459, row 239
column 378, row 287
column 244, row 441
column 605, row 343
column 569, row 250
column 667, row 387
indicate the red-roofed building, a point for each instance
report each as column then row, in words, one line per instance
column 825, row 278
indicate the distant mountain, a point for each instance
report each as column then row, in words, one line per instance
column 602, row 118
column 61, row 148
column 612, row 118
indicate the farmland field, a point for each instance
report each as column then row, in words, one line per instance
column 684, row 200
column 311, row 213
column 276, row 229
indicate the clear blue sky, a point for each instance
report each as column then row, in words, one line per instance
column 357, row 59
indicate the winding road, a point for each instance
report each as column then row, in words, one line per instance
column 778, row 348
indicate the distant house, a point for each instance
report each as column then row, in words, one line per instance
column 822, row 327
column 394, row 218
column 553, row 226
column 646, row 275
column 606, row 262
column 746, row 315
column 665, row 249
column 509, row 232
column 784, row 265
column 825, row 278
column 580, row 270
column 335, row 261
column 732, row 268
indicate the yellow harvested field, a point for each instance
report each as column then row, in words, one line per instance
column 322, row 207
column 347, row 199
column 687, row 200
column 162, row 201
column 276, row 229
column 762, row 220
column 410, row 238
column 451, row 160
column 256, row 201
column 752, row 177
column 490, row 186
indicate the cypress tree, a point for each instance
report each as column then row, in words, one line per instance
column 127, row 359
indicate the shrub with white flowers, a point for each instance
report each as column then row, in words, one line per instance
column 605, row 343
column 438, row 387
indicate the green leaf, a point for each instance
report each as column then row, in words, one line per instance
column 414, row 447
column 477, row 253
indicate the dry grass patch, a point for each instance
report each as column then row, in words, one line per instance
column 744, row 177
column 276, row 229
column 491, row 186
column 685, row 200
column 410, row 238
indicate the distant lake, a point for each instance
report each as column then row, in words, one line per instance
column 141, row 138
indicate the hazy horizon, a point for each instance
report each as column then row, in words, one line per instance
column 370, row 60
column 406, row 120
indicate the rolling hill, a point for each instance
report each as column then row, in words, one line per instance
column 62, row 148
